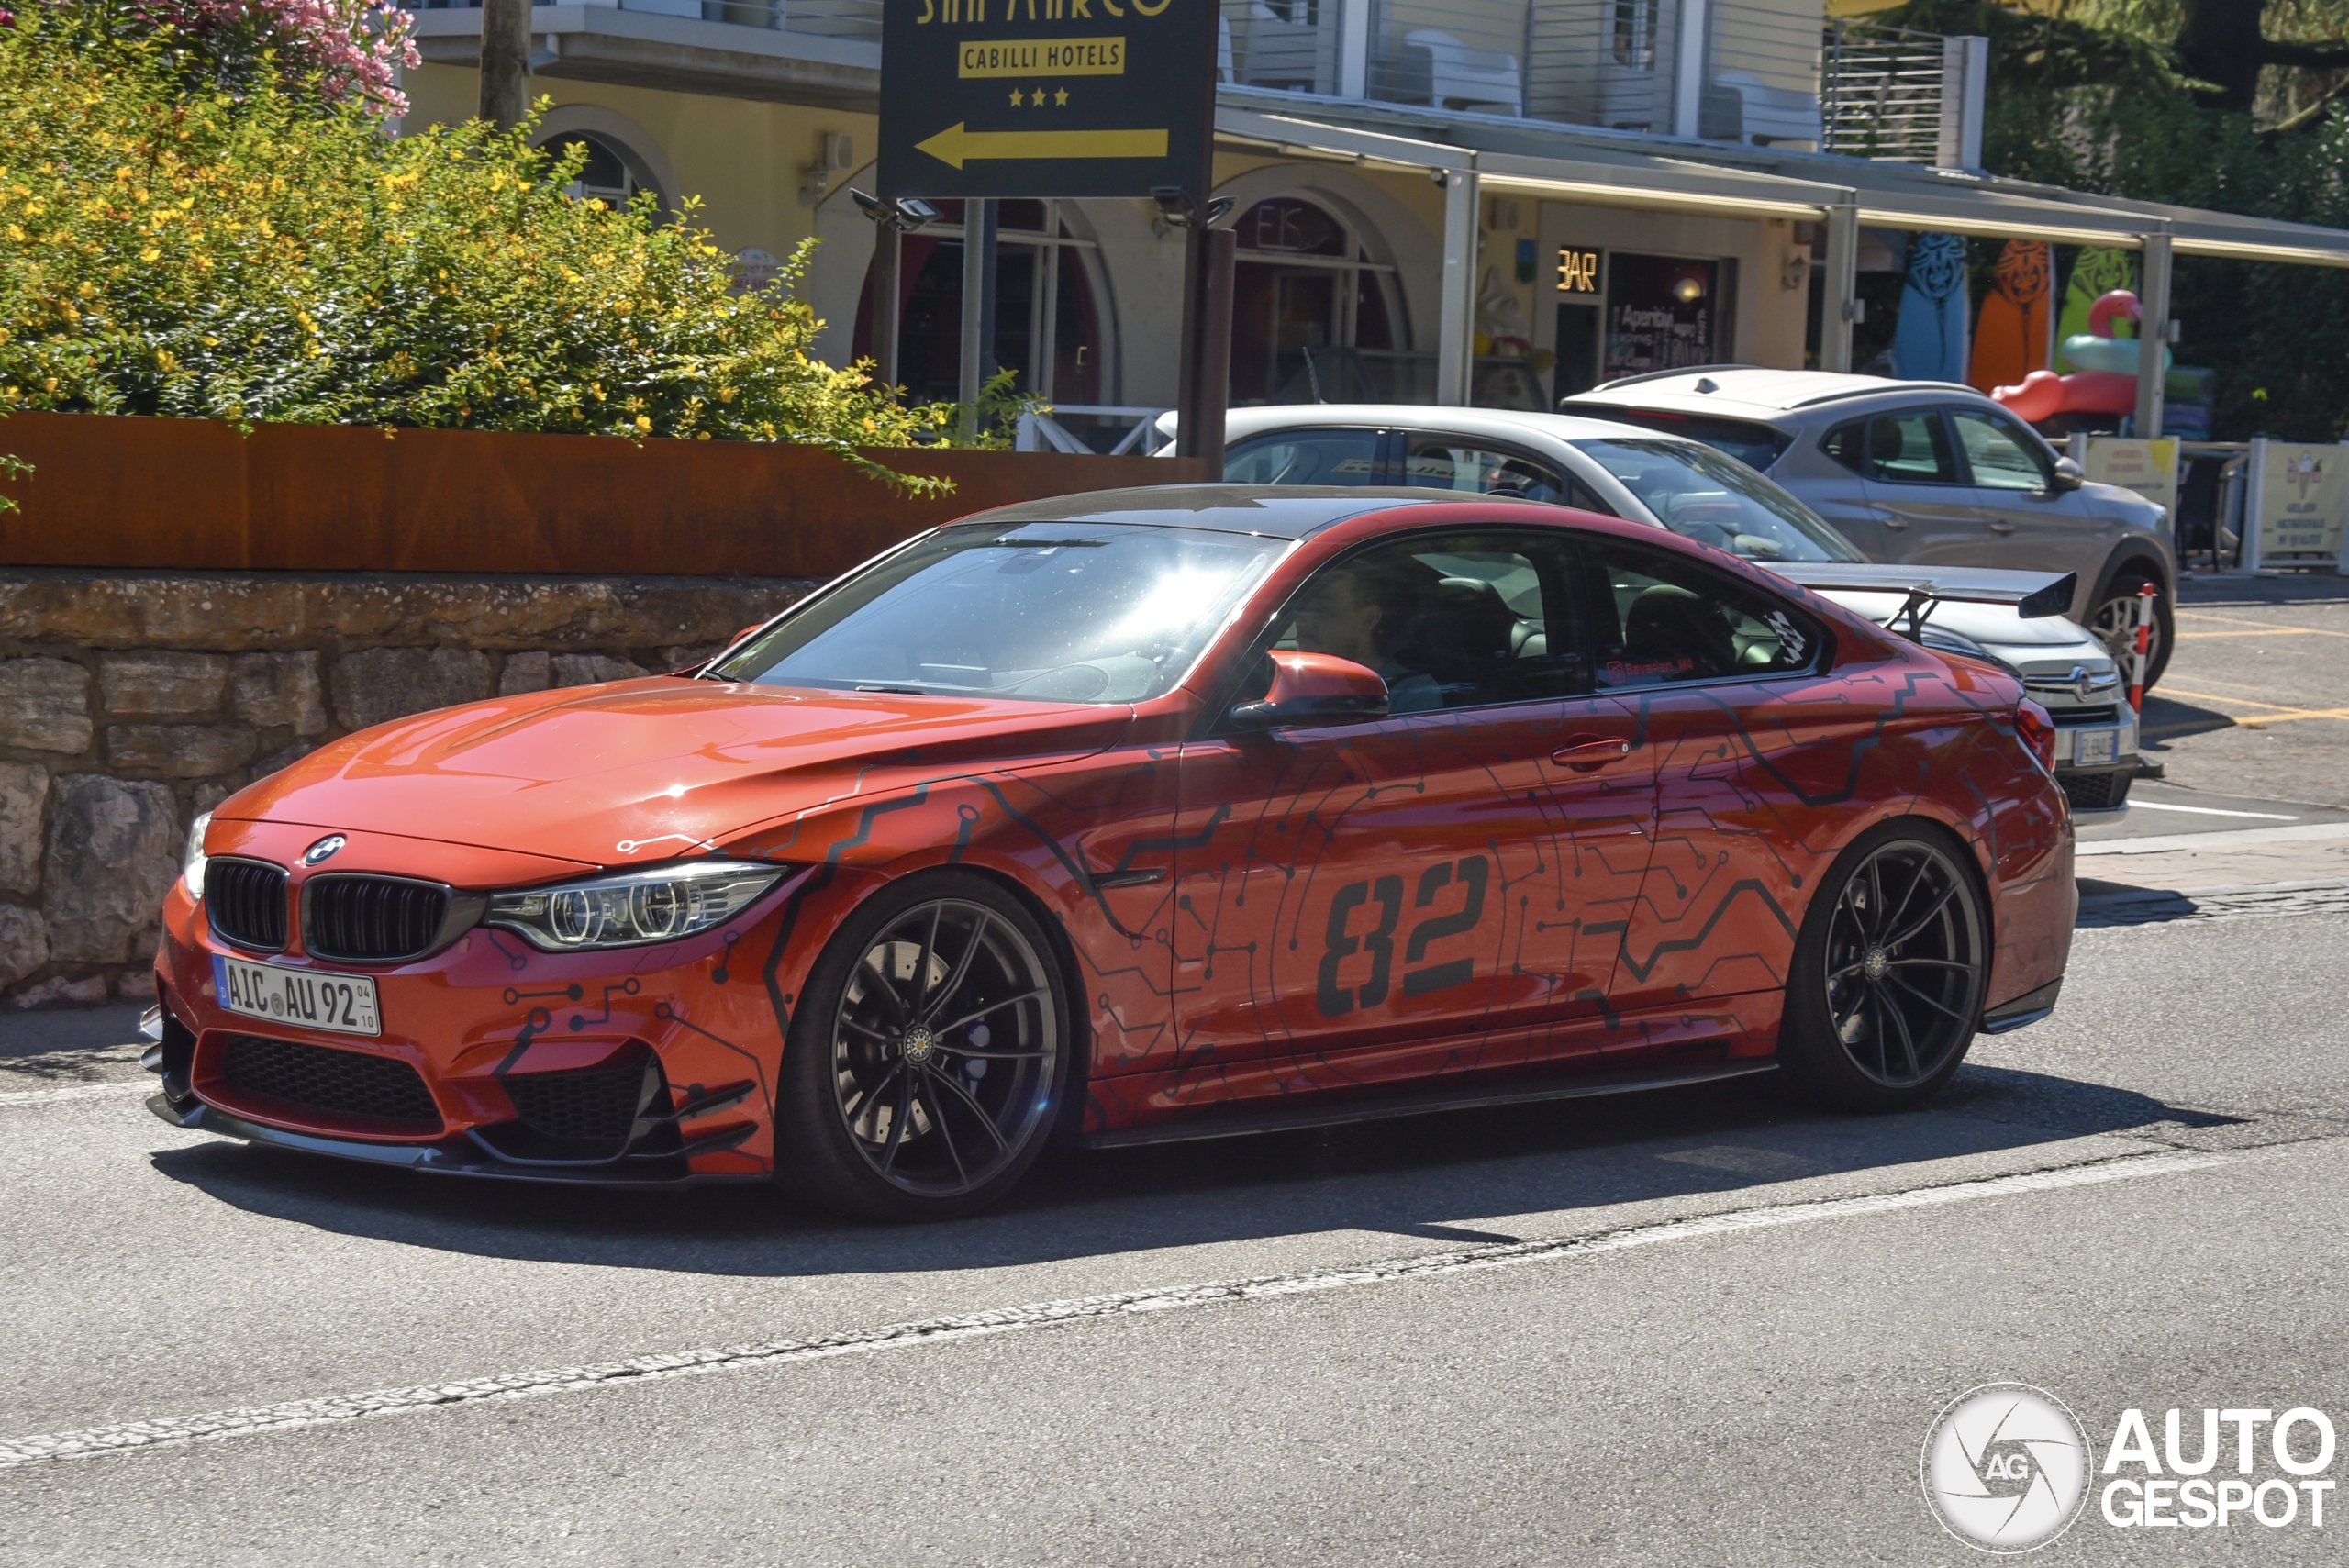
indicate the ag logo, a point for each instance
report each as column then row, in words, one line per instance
column 323, row 850
column 2006, row 1467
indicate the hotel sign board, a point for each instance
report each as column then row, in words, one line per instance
column 1046, row 98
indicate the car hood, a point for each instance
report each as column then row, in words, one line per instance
column 644, row 770
column 1994, row 625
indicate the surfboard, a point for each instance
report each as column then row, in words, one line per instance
column 2096, row 273
column 1929, row 341
column 2010, row 333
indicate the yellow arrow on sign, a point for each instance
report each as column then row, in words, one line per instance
column 957, row 146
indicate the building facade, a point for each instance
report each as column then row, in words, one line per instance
column 1492, row 201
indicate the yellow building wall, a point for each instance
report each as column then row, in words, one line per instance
column 743, row 159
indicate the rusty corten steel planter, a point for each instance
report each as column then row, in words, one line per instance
column 110, row 491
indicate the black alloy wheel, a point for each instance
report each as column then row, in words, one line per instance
column 2114, row 623
column 1890, row 972
column 930, row 1052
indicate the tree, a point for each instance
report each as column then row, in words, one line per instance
column 2225, row 45
column 504, row 61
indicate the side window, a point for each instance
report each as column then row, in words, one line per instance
column 1452, row 620
column 1304, row 457
column 1439, row 463
column 2001, row 456
column 1848, row 444
column 1911, row 448
column 1676, row 621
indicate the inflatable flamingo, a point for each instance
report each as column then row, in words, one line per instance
column 2106, row 382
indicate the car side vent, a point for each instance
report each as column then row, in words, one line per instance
column 245, row 901
column 372, row 919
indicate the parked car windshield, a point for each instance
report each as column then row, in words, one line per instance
column 1049, row 612
column 1700, row 494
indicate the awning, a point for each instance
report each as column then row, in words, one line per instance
column 1660, row 173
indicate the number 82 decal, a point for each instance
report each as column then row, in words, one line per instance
column 1418, row 979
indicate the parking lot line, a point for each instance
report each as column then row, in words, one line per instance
column 2142, row 804
column 2245, row 620
column 2277, row 713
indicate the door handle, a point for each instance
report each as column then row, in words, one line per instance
column 1894, row 521
column 2002, row 528
column 1584, row 754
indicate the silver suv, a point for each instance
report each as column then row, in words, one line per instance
column 1922, row 472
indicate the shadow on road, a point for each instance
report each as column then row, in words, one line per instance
column 1409, row 1177
column 2166, row 718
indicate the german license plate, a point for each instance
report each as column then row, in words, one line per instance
column 2090, row 747
column 342, row 1003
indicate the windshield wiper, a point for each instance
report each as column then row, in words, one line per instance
column 899, row 691
column 1045, row 544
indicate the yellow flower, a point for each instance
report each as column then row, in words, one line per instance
column 644, row 425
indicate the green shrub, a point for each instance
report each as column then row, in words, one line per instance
column 170, row 247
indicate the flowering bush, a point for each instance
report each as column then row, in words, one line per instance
column 349, row 47
column 246, row 256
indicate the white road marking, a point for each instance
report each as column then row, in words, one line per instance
column 2142, row 804
column 76, row 1092
column 295, row 1415
column 2224, row 839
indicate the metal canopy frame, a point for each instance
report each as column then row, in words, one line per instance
column 1467, row 153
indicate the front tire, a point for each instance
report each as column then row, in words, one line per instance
column 2114, row 623
column 1888, row 973
column 928, row 1056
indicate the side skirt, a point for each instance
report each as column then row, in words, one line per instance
column 1225, row 1124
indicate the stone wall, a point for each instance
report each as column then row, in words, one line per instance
column 132, row 701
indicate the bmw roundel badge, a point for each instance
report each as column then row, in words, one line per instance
column 323, row 850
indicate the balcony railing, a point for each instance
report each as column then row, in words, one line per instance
column 1883, row 92
column 1770, row 71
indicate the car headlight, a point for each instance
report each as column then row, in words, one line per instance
column 659, row 904
column 192, row 858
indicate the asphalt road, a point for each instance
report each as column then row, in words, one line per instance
column 1700, row 1327
column 2132, row 1205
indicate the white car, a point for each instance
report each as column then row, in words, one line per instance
column 1688, row 488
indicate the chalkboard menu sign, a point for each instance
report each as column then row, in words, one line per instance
column 1665, row 312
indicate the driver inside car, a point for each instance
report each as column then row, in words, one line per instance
column 1359, row 611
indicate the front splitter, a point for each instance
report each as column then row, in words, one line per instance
column 452, row 1157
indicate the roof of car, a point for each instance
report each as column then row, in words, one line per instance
column 1499, row 422
column 1278, row 511
column 1749, row 390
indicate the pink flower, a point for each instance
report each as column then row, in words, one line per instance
column 355, row 46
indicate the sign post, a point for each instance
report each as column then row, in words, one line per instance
column 984, row 100
column 2297, row 506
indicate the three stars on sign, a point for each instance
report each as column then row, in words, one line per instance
column 1060, row 99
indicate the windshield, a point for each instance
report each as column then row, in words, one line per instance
column 1699, row 494
column 1049, row 612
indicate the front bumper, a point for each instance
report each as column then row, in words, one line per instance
column 2096, row 758
column 510, row 1060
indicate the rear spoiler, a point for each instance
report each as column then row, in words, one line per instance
column 2034, row 595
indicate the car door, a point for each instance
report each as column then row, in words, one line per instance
column 1838, row 490
column 1438, row 890
column 1927, row 511
column 2028, row 524
column 1749, row 751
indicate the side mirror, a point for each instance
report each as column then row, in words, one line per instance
column 1314, row 688
column 2067, row 477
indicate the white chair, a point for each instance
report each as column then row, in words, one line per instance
column 1739, row 106
column 1450, row 75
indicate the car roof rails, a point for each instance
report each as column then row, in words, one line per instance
column 1661, row 376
